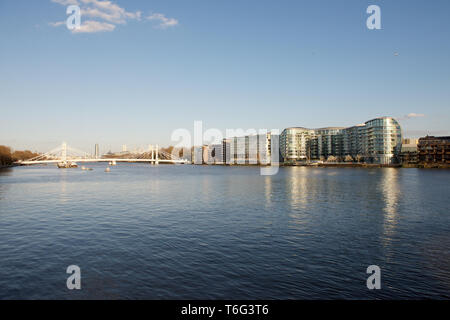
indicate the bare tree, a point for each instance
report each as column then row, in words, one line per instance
column 5, row 156
column 348, row 158
column 331, row 159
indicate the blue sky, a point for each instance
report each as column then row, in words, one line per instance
column 232, row 64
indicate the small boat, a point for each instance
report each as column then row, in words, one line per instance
column 67, row 164
column 114, row 163
column 83, row 168
column 107, row 169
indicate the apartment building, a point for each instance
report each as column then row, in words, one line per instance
column 376, row 141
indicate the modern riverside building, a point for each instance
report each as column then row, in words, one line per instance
column 197, row 155
column 376, row 141
column 215, row 154
column 353, row 141
column 264, row 148
column 97, row 151
column 226, row 143
column 241, row 151
column 329, row 143
column 382, row 140
column 252, row 149
column 295, row 144
column 205, row 154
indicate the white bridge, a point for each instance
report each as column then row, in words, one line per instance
column 65, row 153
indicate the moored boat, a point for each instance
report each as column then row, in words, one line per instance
column 67, row 164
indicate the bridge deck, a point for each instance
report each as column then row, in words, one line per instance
column 103, row 160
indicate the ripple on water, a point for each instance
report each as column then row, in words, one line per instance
column 198, row 232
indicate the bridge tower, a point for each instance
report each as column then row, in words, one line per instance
column 157, row 157
column 64, row 152
column 152, row 152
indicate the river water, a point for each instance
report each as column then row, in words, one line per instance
column 213, row 232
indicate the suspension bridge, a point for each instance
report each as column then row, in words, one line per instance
column 65, row 154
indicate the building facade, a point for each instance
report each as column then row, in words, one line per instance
column 383, row 140
column 434, row 150
column 264, row 142
column 97, row 151
column 226, row 147
column 215, row 155
column 353, row 142
column 252, row 149
column 241, row 144
column 197, row 155
column 376, row 141
column 409, row 153
column 295, row 144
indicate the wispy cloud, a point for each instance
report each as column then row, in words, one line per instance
column 411, row 116
column 107, row 10
column 163, row 21
column 415, row 115
column 101, row 16
column 57, row 24
column 66, row 2
column 91, row 26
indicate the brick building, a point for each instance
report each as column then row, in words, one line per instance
column 434, row 149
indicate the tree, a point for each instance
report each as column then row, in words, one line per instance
column 359, row 158
column 332, row 159
column 348, row 158
column 5, row 156
column 23, row 155
column 169, row 149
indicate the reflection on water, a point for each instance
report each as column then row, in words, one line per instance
column 63, row 196
column 390, row 190
column 213, row 232
column 206, row 191
column 268, row 193
column 4, row 172
column 297, row 186
column 301, row 189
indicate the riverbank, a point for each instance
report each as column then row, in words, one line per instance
column 7, row 166
column 372, row 165
column 427, row 165
column 359, row 165
column 344, row 165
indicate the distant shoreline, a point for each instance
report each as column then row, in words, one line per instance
column 318, row 165
column 8, row 166
column 338, row 165
column 370, row 165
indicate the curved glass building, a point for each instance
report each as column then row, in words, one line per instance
column 376, row 141
column 383, row 139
